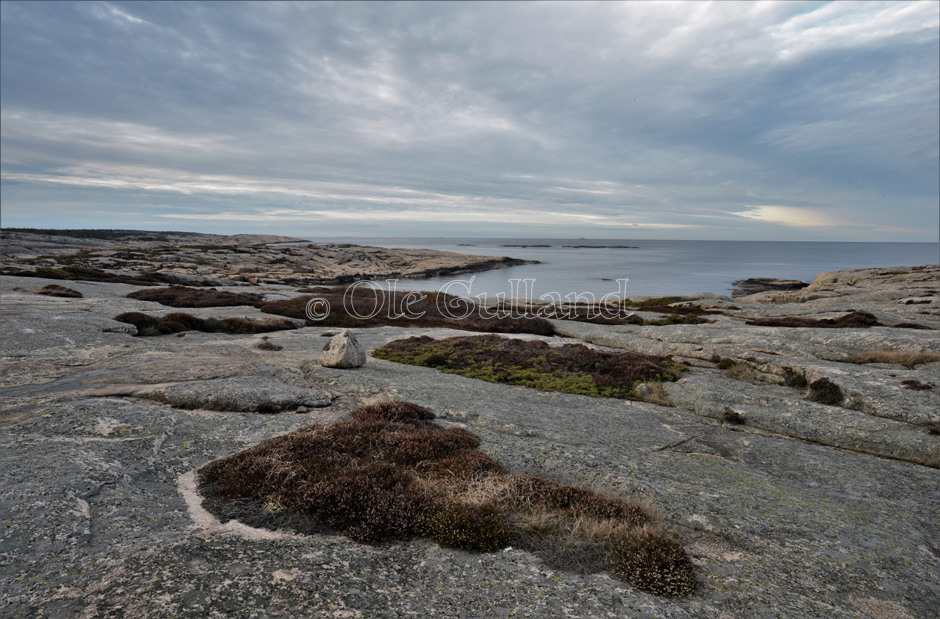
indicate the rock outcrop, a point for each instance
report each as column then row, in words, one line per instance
column 214, row 260
column 343, row 351
column 778, row 498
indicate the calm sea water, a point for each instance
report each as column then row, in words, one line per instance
column 654, row 267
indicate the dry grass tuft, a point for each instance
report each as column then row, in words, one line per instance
column 907, row 358
column 389, row 472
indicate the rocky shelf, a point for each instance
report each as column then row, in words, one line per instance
column 791, row 501
column 209, row 259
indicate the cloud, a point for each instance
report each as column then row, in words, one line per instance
column 603, row 117
column 789, row 216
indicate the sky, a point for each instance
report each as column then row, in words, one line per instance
column 666, row 120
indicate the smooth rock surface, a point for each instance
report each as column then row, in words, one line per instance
column 101, row 517
column 343, row 351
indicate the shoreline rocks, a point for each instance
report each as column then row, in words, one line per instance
column 778, row 498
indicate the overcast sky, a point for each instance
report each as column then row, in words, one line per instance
column 696, row 120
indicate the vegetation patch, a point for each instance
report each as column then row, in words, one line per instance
column 264, row 344
column 825, row 391
column 55, row 290
column 178, row 322
column 733, row 417
column 572, row 368
column 907, row 358
column 88, row 274
column 182, row 296
column 349, row 307
column 916, row 385
column 388, row 472
column 852, row 320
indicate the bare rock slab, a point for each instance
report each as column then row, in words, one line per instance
column 343, row 351
column 240, row 394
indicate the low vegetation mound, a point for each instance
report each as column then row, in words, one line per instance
column 572, row 368
column 182, row 296
column 88, row 274
column 388, row 472
column 348, row 307
column 54, row 290
column 907, row 358
column 179, row 322
column 852, row 320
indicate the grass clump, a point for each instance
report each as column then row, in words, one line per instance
column 179, row 322
column 572, row 368
column 852, row 320
column 907, row 358
column 181, row 296
column 388, row 472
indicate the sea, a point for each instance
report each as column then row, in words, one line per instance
column 643, row 267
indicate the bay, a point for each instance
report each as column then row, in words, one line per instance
column 656, row 268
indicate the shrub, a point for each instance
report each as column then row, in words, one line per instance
column 733, row 417
column 180, row 296
column 653, row 563
column 477, row 528
column 368, row 307
column 177, row 322
column 825, row 391
column 852, row 320
column 389, row 472
column 264, row 344
column 55, row 290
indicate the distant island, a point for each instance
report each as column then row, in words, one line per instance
column 602, row 246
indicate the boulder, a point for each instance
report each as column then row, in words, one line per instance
column 343, row 351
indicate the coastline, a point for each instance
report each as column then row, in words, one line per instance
column 102, row 514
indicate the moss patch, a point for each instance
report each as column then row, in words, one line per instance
column 572, row 368
column 388, row 472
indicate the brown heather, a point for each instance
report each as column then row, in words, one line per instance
column 388, row 472
column 180, row 296
column 179, row 322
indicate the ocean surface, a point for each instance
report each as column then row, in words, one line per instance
column 650, row 267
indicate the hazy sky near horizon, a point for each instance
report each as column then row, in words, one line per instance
column 688, row 120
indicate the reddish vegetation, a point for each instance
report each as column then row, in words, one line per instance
column 364, row 306
column 389, row 472
column 178, row 322
column 852, row 320
column 55, row 290
column 180, row 296
column 916, row 385
column 88, row 274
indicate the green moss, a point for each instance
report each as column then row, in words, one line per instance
column 573, row 368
